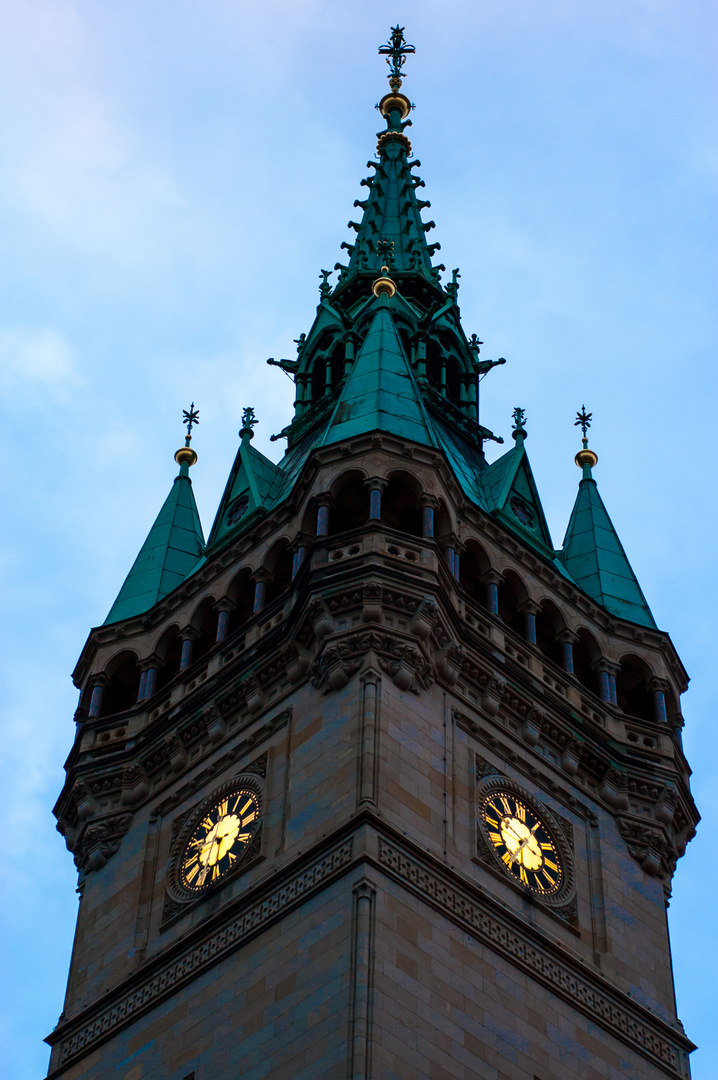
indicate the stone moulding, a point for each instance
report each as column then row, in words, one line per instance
column 655, row 1041
column 168, row 975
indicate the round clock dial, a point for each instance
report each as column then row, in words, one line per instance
column 523, row 843
column 219, row 840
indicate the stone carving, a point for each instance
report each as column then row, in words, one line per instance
column 100, row 840
column 649, row 845
column 400, row 659
column 636, row 1026
column 168, row 975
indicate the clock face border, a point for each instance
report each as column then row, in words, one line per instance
column 557, row 830
column 175, row 886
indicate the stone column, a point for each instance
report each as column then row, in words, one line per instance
column 658, row 688
column 567, row 640
column 99, row 684
column 224, row 608
column 299, row 551
column 529, row 609
column 360, row 1067
column 428, row 504
column 606, row 680
column 324, row 504
column 148, row 677
column 261, row 579
column 376, row 485
column 189, row 636
column 492, row 579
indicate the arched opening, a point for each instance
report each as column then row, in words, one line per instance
column 328, row 365
column 241, row 593
column 400, row 504
column 453, row 382
column 512, row 594
column 585, row 654
column 169, row 651
column 204, row 621
column 279, row 565
column 549, row 625
column 442, row 521
column 123, row 684
column 351, row 504
column 474, row 564
column 632, row 692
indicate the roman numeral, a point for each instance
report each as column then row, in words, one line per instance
column 250, row 817
column 507, row 858
column 246, row 807
column 547, row 847
column 192, row 874
column 215, row 872
column 222, row 809
column 244, row 836
column 188, row 861
column 522, row 875
column 520, row 811
column 495, row 838
column 551, row 865
column 551, row 881
column 506, row 805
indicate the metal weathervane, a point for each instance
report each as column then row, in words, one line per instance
column 583, row 420
column 396, row 51
column 190, row 417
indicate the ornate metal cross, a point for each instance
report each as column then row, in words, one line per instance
column 396, row 51
column 583, row 420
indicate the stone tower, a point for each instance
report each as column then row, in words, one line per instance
column 375, row 783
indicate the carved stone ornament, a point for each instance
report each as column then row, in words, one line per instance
column 402, row 660
column 100, row 840
column 649, row 845
column 561, row 901
column 178, row 894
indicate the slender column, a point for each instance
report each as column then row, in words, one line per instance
column 492, row 580
column 299, row 552
column 99, row 682
column 421, row 358
column 151, row 681
column 376, row 485
column 189, row 636
column 658, row 688
column 325, row 503
column 143, row 681
column 530, row 610
column 606, row 680
column 225, row 607
column 350, row 341
column 260, row 595
column 567, row 639
column 428, row 505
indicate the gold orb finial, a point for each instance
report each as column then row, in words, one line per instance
column 383, row 286
column 186, row 454
column 586, row 457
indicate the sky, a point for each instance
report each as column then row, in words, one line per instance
column 172, row 179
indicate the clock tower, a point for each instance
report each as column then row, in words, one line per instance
column 374, row 782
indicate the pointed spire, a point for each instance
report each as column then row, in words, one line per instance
column 253, row 482
column 391, row 231
column 592, row 552
column 511, row 493
column 380, row 393
column 174, row 543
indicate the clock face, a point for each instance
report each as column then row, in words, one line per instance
column 219, row 840
column 523, row 843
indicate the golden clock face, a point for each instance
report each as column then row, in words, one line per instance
column 523, row 843
column 219, row 840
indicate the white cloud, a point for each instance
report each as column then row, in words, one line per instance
column 36, row 356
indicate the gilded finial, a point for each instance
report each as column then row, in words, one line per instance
column 585, row 459
column 249, row 420
column 395, row 106
column 185, row 454
column 383, row 286
column 519, row 416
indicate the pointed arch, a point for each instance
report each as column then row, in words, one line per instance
column 278, row 564
column 549, row 624
column 351, row 502
column 586, row 653
column 512, row 594
column 475, row 563
column 400, row 502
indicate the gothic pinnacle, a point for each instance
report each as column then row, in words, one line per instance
column 186, row 456
column 585, row 459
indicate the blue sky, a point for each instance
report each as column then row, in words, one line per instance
column 173, row 178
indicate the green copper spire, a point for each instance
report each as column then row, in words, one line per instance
column 592, row 552
column 380, row 392
column 174, row 543
column 511, row 493
column 391, row 231
column 251, row 488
